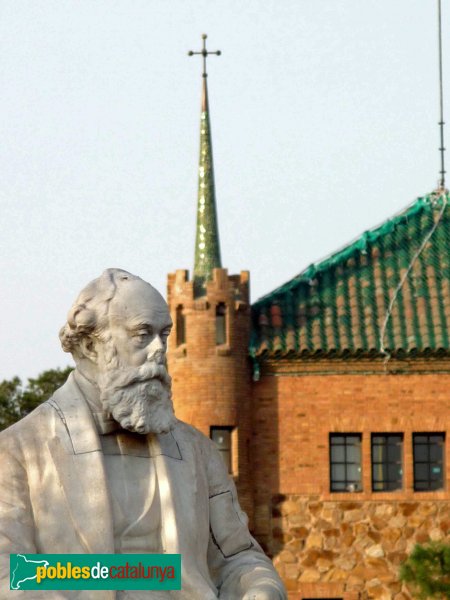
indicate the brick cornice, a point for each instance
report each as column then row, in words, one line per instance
column 359, row 366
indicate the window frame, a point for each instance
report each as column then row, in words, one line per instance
column 386, row 462
column 226, row 451
column 348, row 483
column 428, row 462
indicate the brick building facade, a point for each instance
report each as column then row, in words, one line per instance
column 328, row 397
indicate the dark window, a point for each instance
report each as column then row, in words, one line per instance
column 222, row 437
column 428, row 461
column 387, row 462
column 221, row 323
column 181, row 326
column 345, row 462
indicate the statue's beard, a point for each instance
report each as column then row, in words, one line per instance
column 139, row 398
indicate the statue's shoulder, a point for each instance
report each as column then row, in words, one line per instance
column 192, row 436
column 189, row 432
column 28, row 432
column 38, row 421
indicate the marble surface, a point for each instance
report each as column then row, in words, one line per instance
column 104, row 466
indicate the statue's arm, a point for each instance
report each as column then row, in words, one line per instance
column 237, row 563
column 16, row 517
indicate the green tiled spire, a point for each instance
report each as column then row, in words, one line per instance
column 207, row 246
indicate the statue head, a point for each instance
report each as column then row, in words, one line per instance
column 117, row 333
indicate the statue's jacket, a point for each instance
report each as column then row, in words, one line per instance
column 54, row 498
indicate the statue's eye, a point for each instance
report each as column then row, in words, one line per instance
column 142, row 335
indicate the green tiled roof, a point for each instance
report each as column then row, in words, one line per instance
column 339, row 305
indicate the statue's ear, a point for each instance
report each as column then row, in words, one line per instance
column 88, row 348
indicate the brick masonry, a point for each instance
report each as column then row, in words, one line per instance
column 324, row 545
column 344, row 545
column 211, row 382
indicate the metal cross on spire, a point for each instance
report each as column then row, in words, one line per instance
column 204, row 53
column 207, row 245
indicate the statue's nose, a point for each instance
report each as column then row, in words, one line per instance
column 156, row 355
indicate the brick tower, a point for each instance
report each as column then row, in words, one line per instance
column 208, row 353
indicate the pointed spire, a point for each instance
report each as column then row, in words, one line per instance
column 207, row 245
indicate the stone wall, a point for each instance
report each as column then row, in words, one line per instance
column 350, row 549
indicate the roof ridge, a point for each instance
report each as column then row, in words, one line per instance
column 358, row 243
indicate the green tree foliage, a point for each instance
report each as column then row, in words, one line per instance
column 427, row 571
column 17, row 401
column 10, row 392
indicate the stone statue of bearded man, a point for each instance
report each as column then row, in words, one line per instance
column 104, row 466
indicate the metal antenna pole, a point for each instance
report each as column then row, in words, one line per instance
column 441, row 100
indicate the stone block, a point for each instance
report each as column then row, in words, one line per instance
column 315, row 507
column 385, row 511
column 338, row 575
column 287, row 556
column 310, row 558
column 427, row 508
column 354, row 516
column 436, row 534
column 323, row 565
column 355, row 582
column 299, row 519
column 361, row 529
column 289, row 507
column 309, row 576
column 415, row 520
column 331, row 533
column 373, row 535
column 397, row 521
column 408, row 508
column 291, row 570
column 332, row 514
column 348, row 506
column 378, row 522
column 314, row 540
column 379, row 564
column 396, row 558
column 422, row 537
column 346, row 562
column 300, row 532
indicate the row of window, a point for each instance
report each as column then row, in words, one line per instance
column 387, row 462
column 221, row 324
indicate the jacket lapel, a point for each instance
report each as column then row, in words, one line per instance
column 166, row 455
column 81, row 471
column 184, row 509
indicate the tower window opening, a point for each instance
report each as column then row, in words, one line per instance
column 222, row 438
column 181, row 326
column 221, row 323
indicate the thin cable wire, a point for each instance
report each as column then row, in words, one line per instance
column 443, row 195
column 441, row 99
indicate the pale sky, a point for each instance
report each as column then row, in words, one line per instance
column 324, row 121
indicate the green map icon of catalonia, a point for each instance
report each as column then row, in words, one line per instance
column 23, row 569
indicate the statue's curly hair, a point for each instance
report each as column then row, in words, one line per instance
column 89, row 314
